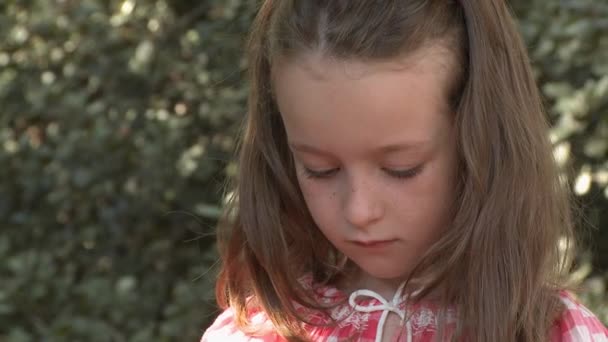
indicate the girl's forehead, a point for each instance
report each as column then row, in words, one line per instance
column 345, row 104
column 320, row 65
column 318, row 80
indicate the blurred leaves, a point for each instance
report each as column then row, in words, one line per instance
column 117, row 125
column 569, row 50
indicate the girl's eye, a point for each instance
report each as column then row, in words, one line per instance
column 404, row 174
column 319, row 174
column 400, row 174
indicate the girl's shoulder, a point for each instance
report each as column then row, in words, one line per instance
column 224, row 328
column 577, row 323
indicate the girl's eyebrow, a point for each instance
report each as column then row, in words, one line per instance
column 414, row 145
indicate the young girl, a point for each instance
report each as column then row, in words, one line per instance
column 396, row 182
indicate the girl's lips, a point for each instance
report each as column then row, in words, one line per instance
column 374, row 243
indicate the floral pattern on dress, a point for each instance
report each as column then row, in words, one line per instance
column 576, row 324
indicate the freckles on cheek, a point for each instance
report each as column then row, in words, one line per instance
column 308, row 191
column 316, row 194
column 430, row 181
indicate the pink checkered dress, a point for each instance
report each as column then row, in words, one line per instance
column 363, row 317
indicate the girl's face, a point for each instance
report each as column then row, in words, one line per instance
column 375, row 154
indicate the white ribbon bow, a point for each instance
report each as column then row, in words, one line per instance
column 386, row 307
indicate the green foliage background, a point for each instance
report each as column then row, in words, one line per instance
column 117, row 124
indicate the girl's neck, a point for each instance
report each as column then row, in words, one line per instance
column 384, row 287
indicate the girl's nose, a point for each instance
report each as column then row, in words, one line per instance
column 362, row 208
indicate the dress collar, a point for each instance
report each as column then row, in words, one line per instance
column 385, row 306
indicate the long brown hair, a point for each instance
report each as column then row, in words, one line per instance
column 500, row 257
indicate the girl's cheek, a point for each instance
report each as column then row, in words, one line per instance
column 318, row 193
column 312, row 190
column 307, row 185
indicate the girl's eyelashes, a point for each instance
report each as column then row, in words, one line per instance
column 318, row 174
column 400, row 174
column 404, row 174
